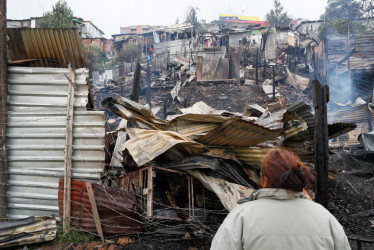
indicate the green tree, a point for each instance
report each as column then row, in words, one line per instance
column 339, row 27
column 95, row 58
column 277, row 16
column 191, row 17
column 131, row 53
column 343, row 9
column 61, row 16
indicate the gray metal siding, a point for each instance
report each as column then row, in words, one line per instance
column 37, row 100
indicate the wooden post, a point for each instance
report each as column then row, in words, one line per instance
column 321, row 141
column 150, row 192
column 257, row 67
column 68, row 151
column 189, row 195
column 95, row 213
column 136, row 85
column 273, row 83
column 368, row 112
column 192, row 200
column 3, row 112
column 264, row 72
column 149, row 85
column 349, row 65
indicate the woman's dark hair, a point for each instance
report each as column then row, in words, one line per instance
column 283, row 169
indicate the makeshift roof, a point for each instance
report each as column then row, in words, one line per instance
column 45, row 47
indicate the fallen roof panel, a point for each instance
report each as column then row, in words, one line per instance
column 239, row 133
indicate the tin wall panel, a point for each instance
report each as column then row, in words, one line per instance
column 37, row 100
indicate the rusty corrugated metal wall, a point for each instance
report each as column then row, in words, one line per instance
column 45, row 47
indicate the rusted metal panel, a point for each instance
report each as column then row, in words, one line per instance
column 118, row 209
column 49, row 47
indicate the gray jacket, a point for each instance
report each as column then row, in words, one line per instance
column 280, row 219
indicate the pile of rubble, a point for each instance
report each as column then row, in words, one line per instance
column 181, row 175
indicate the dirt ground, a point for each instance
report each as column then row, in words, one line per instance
column 352, row 198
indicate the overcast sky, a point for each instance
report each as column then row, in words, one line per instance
column 109, row 15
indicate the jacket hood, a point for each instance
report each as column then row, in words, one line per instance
column 273, row 193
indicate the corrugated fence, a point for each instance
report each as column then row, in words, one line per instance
column 37, row 103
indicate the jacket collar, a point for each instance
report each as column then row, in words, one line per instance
column 273, row 193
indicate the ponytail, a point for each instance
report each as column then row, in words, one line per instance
column 283, row 169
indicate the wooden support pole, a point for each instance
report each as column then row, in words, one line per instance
column 257, row 67
column 321, row 141
column 264, row 72
column 192, row 200
column 150, row 192
column 149, row 98
column 273, row 83
column 189, row 195
column 349, row 65
column 68, row 152
column 95, row 213
column 136, row 85
column 3, row 112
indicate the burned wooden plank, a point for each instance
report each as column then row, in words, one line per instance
column 136, row 86
column 321, row 141
column 95, row 213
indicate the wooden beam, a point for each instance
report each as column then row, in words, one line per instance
column 321, row 141
column 273, row 83
column 349, row 64
column 95, row 213
column 68, row 152
column 136, row 85
column 3, row 112
column 150, row 192
column 257, row 62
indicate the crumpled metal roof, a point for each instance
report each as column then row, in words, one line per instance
column 146, row 145
column 239, row 133
column 31, row 230
column 45, row 47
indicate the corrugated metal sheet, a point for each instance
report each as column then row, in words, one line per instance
column 37, row 101
column 351, row 114
column 272, row 118
column 362, row 58
column 305, row 112
column 146, row 145
column 238, row 133
column 198, row 108
column 176, row 48
column 14, row 234
column 118, row 209
column 251, row 155
column 50, row 47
